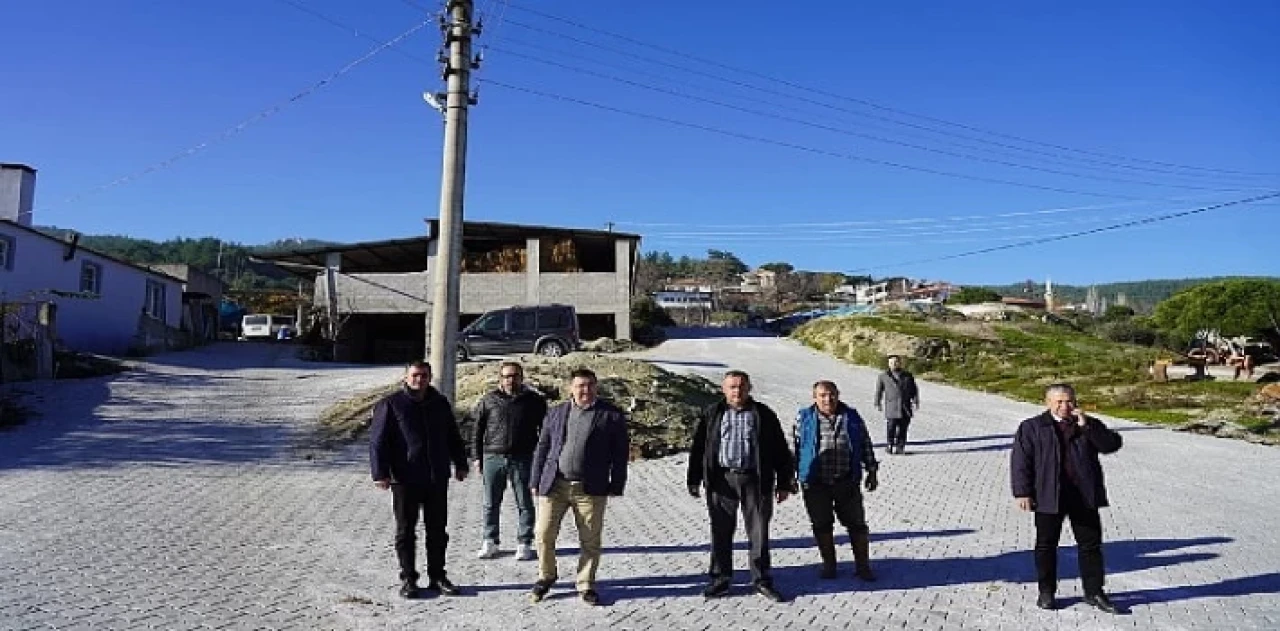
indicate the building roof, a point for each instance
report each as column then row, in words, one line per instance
column 15, row 165
column 410, row 254
column 114, row 259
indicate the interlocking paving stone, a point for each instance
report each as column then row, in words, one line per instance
column 177, row 496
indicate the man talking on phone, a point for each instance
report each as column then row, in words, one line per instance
column 1056, row 473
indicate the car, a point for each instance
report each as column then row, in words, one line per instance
column 264, row 326
column 550, row 330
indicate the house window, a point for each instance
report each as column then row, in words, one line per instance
column 90, row 278
column 6, row 252
column 155, row 304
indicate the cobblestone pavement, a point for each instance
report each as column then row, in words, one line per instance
column 177, row 497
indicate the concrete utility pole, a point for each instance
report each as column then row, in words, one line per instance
column 457, row 28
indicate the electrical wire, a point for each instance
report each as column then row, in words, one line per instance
column 844, row 131
column 864, row 102
column 1073, row 235
column 246, row 123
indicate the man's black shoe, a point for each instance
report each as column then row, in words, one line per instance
column 767, row 590
column 409, row 589
column 539, row 591
column 1101, row 602
column 591, row 597
column 444, row 586
column 717, row 588
column 1046, row 601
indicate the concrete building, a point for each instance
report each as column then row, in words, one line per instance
column 103, row 304
column 201, row 295
column 382, row 289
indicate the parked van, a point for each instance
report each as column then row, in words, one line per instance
column 265, row 326
column 550, row 330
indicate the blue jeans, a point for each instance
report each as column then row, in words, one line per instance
column 498, row 471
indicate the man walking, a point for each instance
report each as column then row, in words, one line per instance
column 507, row 422
column 413, row 441
column 1056, row 473
column 740, row 455
column 897, row 395
column 833, row 447
column 580, row 460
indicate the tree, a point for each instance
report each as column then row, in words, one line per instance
column 1246, row 306
column 779, row 267
column 1118, row 312
column 723, row 267
column 973, row 295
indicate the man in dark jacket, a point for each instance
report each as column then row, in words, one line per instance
column 833, row 448
column 580, row 461
column 1055, row 472
column 507, row 422
column 740, row 455
column 898, row 396
column 414, row 445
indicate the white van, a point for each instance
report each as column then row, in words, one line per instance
column 264, row 326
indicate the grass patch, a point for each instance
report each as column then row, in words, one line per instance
column 1019, row 358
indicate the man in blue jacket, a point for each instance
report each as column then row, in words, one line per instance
column 1056, row 473
column 580, row 461
column 414, row 445
column 833, row 448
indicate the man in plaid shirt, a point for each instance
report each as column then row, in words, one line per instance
column 833, row 448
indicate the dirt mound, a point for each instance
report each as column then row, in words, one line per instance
column 662, row 405
column 610, row 345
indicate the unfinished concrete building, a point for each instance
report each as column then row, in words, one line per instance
column 382, row 289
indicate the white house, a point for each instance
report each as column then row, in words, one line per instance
column 104, row 305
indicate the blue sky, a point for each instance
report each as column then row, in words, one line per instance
column 95, row 93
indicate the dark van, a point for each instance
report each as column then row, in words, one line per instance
column 550, row 330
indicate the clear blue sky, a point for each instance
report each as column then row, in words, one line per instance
column 95, row 91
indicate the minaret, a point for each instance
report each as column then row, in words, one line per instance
column 1048, row 294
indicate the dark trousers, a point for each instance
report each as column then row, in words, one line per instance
column 726, row 492
column 431, row 502
column 1087, row 526
column 825, row 503
column 897, row 431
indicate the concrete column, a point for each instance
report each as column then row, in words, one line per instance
column 622, row 291
column 533, row 271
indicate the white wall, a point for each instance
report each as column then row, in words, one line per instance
column 105, row 324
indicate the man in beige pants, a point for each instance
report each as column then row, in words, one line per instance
column 580, row 460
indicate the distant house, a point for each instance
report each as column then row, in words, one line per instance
column 690, row 299
column 201, row 297
column 103, row 304
column 757, row 281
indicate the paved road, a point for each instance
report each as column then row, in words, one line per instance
column 176, row 497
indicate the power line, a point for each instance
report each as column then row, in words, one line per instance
column 1072, row 235
column 847, row 132
column 244, row 124
column 946, row 140
column 795, row 146
column 868, row 103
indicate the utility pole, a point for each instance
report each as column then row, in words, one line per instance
column 457, row 28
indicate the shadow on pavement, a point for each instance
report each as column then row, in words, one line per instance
column 89, row 423
column 710, row 333
column 653, row 360
column 776, row 544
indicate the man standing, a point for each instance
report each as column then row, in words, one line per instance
column 833, row 447
column 740, row 455
column 897, row 395
column 507, row 422
column 580, row 460
column 1056, row 473
column 413, row 441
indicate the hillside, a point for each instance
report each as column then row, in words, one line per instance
column 206, row 254
column 1142, row 294
column 1019, row 358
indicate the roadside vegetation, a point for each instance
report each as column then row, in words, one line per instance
column 1019, row 357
